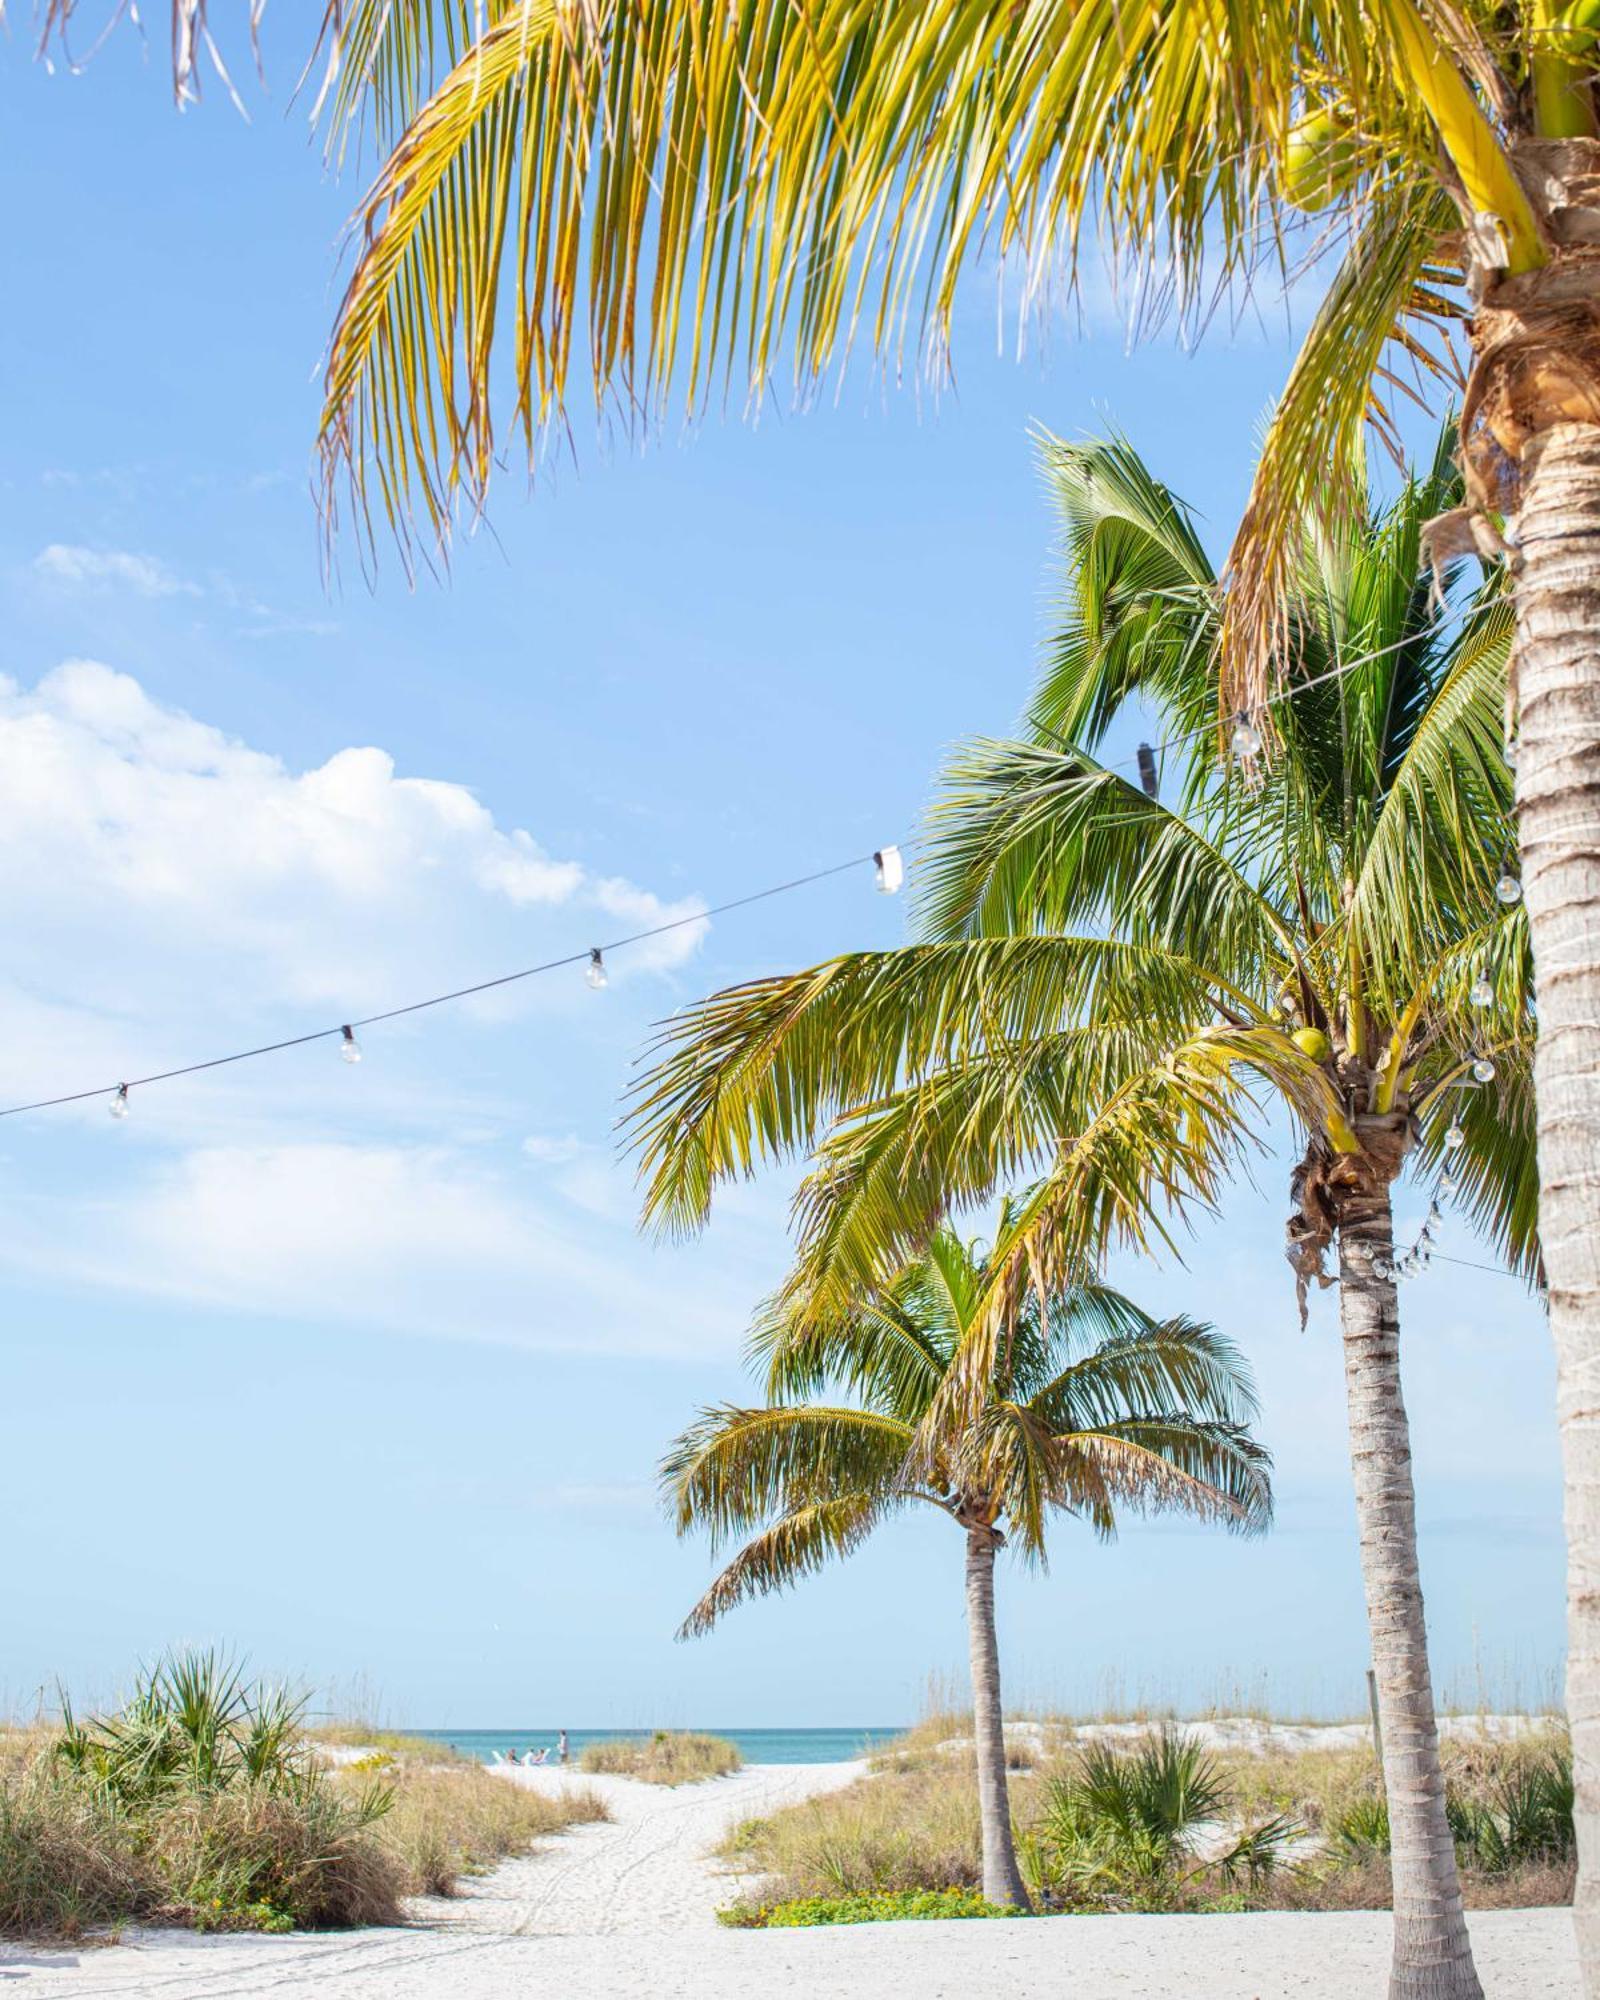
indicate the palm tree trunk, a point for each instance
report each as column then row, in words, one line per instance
column 1002, row 1879
column 1558, row 812
column 1432, row 1956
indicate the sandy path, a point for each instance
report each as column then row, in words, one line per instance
column 624, row 1912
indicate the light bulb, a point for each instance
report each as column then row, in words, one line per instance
column 1455, row 1138
column 1511, row 756
column 349, row 1048
column 118, row 1106
column 1382, row 1268
column 891, row 869
column 595, row 970
column 1246, row 738
column 1448, row 1184
column 1508, row 889
column 1483, row 1070
column 1481, row 993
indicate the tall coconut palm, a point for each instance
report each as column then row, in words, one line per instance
column 1089, row 1408
column 1116, row 987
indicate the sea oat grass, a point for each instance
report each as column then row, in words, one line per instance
column 665, row 1757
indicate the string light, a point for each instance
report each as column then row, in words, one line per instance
column 1456, row 1137
column 1483, row 1070
column 888, row 863
column 595, row 971
column 1481, row 993
column 456, row 993
column 1147, row 771
column 349, row 1047
column 1508, row 889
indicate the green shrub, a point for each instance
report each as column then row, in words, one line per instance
column 200, row 1802
column 885, row 1907
column 665, row 1757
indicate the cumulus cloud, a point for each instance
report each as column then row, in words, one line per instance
column 169, row 893
column 77, row 567
column 151, row 859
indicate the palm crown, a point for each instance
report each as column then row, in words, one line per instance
column 1107, row 981
column 1091, row 1408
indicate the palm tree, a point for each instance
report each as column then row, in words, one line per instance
column 1089, row 1408
column 1113, row 988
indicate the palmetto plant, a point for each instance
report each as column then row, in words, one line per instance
column 1115, row 990
column 1088, row 1407
column 1140, row 1820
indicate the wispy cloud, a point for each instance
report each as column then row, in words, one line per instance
column 80, row 568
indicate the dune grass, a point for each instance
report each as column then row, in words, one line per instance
column 1287, row 1829
column 202, row 1802
column 665, row 1757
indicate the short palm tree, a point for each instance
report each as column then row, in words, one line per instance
column 1089, row 1408
column 1115, row 988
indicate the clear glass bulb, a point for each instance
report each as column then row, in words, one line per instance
column 1481, row 993
column 350, row 1048
column 1448, row 1184
column 595, row 971
column 1483, row 1070
column 1455, row 1138
column 1511, row 756
column 1508, row 889
column 118, row 1106
column 891, row 869
column 1246, row 738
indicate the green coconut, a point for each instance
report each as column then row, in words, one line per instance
column 1312, row 1042
column 1321, row 159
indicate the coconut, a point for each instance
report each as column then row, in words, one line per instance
column 1320, row 158
column 1312, row 1042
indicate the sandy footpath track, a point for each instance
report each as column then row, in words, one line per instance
column 624, row 1911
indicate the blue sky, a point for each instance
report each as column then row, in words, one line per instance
column 364, row 1371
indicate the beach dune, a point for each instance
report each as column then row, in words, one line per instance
column 626, row 1911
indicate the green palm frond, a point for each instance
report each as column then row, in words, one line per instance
column 1386, row 299
column 1138, row 601
column 1164, row 1365
column 1214, row 1471
column 733, row 1467
column 1026, row 838
column 797, row 1544
column 684, row 196
column 755, row 1073
column 890, row 1350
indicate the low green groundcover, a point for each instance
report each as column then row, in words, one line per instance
column 887, row 1906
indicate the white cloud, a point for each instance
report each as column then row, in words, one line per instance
column 421, row 1239
column 77, row 567
column 169, row 893
column 152, row 866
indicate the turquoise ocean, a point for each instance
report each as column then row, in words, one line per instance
column 756, row 1746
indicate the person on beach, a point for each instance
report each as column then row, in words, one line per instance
column 561, row 1748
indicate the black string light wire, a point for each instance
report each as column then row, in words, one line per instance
column 888, row 864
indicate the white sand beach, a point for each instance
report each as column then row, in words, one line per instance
column 625, row 1911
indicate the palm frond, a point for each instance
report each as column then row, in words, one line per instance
column 1213, row 1471
column 733, row 1468
column 1384, row 297
column 1165, row 1365
column 757, row 1072
column 797, row 1544
column 1137, row 602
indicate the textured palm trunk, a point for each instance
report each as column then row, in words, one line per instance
column 1432, row 1956
column 1558, row 809
column 1002, row 1879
